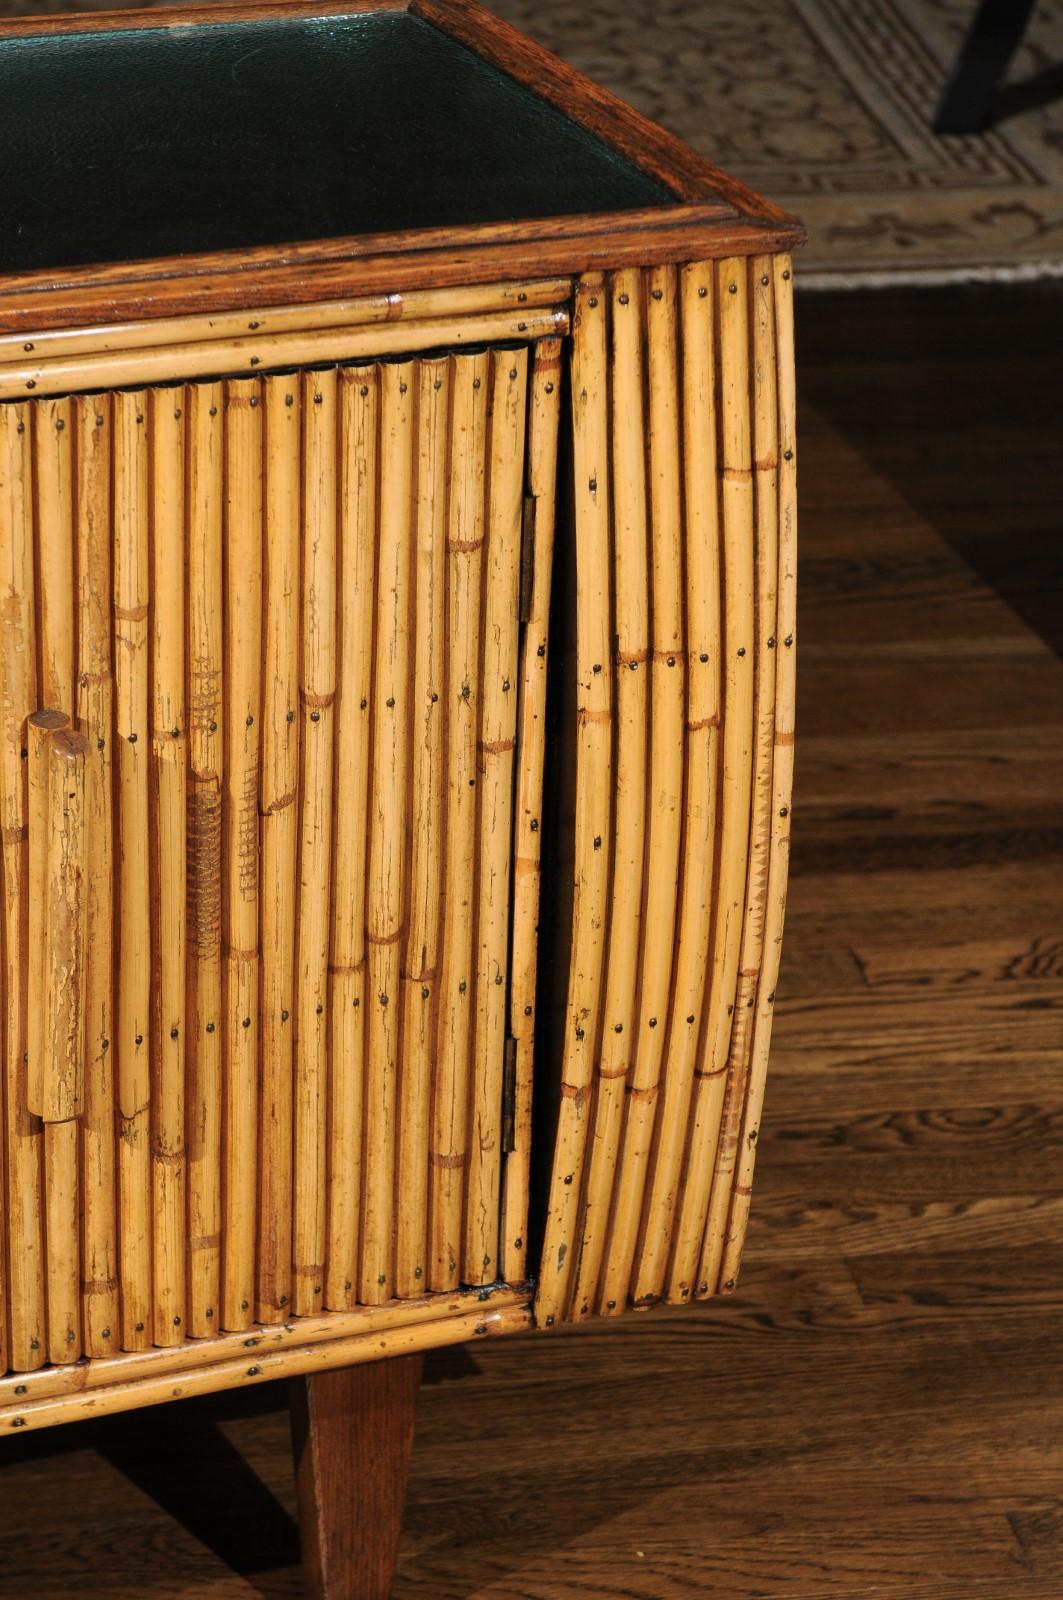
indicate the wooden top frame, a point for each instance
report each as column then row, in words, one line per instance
column 711, row 215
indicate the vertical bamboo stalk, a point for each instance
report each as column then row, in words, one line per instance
column 317, row 704
column 359, row 425
column 54, row 484
column 766, row 508
column 736, row 498
column 62, row 1000
column 421, row 959
column 132, row 728
column 465, row 536
column 283, row 399
column 544, row 417
column 53, row 441
column 95, row 711
column 206, row 432
column 18, row 695
column 701, row 548
column 594, row 772
column 782, row 770
column 243, row 656
column 386, row 888
column 168, row 831
column 498, row 734
column 632, row 630
column 665, row 797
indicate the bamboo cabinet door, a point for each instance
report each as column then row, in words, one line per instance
column 272, row 702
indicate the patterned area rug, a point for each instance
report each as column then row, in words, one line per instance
column 825, row 105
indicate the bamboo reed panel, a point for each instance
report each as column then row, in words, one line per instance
column 168, row 869
column 359, row 402
column 23, row 1165
column 765, row 479
column 317, row 716
column 664, row 785
column 594, row 773
column 465, row 538
column 278, row 837
column 95, row 714
column 782, row 772
column 736, row 500
column 387, row 866
column 243, row 650
column 421, row 960
column 207, row 358
column 133, row 734
column 87, row 1377
column 242, row 1372
column 206, row 743
column 701, row 549
column 544, row 417
column 631, row 605
column 498, row 733
column 424, row 305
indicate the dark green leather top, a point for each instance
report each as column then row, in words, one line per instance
column 157, row 141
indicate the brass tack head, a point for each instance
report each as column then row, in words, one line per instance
column 476, row 383
column 593, row 486
column 593, row 301
column 703, row 657
column 624, row 299
column 518, row 1244
column 788, row 455
column 784, row 811
column 320, row 1009
column 254, row 398
column 786, row 274
column 213, row 411
column 549, row 1322
column 253, row 1372
column 289, row 399
column 27, row 346
column 534, row 825
column 390, row 701
column 690, row 1019
column 417, row 1272
column 210, row 1027
column 569, row 1178
column 99, row 422
column 658, row 294
column 243, row 1305
column 653, row 1022
column 382, row 1279
column 741, row 649
column 362, row 705
column 610, row 1305
column 20, row 1388
column 175, row 1033
column 402, row 388
column 765, row 280
column 383, row 999
column 246, row 1022
column 541, row 651
column 597, row 841
column 462, row 986
column 139, row 1040
column 527, row 1011
column 284, row 1016
column 732, row 288
column 438, row 384
column 513, row 372
column 549, row 388
column 671, row 661
column 702, row 292
column 619, row 1028
column 364, row 390
column 139, row 1327
column 250, row 721
column 317, row 400
column 315, row 716
column 60, row 425
column 425, row 991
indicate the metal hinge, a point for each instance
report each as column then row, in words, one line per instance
column 509, row 1096
column 527, row 557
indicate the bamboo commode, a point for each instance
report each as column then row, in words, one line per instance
column 365, row 605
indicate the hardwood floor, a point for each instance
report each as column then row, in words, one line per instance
column 879, row 1410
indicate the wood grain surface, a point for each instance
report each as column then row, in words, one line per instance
column 877, row 1411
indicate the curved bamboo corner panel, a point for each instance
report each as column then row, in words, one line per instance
column 289, row 706
column 684, row 469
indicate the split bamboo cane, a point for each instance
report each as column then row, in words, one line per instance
column 359, row 424
column 701, row 548
column 544, row 417
column 168, row 833
column 95, row 713
column 24, row 1137
column 498, row 733
column 206, row 742
column 631, row 604
column 317, row 713
column 765, row 477
column 243, row 655
column 133, row 733
column 736, row 498
column 421, row 960
column 465, row 537
column 386, row 885
column 594, row 772
column 782, row 774
column 282, row 397
column 665, row 785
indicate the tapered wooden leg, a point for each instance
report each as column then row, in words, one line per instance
column 351, row 1432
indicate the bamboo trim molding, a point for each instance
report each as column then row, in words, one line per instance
column 105, row 1387
column 210, row 357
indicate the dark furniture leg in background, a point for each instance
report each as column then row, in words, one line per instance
column 967, row 103
column 351, row 1431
